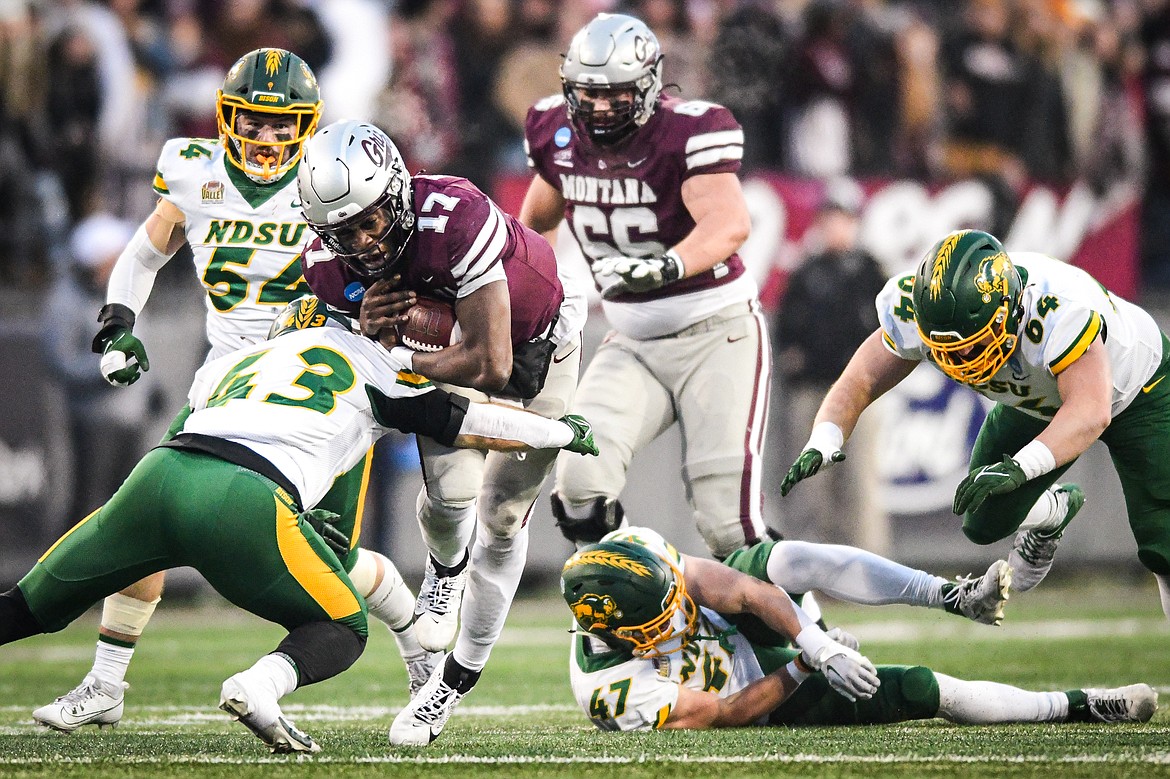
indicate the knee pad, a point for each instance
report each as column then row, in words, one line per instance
column 454, row 477
column 321, row 650
column 1155, row 561
column 918, row 690
column 718, row 515
column 587, row 524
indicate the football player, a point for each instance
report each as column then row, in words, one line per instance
column 648, row 186
column 380, row 229
column 1066, row 362
column 236, row 493
column 670, row 641
column 234, row 201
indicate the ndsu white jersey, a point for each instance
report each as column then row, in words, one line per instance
column 1065, row 310
column 246, row 239
column 300, row 401
column 619, row 691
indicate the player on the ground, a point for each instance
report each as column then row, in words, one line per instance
column 236, row 493
column 234, row 201
column 381, row 229
column 1066, row 362
column 648, row 185
column 671, row 641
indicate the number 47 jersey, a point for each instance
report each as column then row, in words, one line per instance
column 246, row 239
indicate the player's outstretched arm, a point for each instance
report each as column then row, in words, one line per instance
column 699, row 710
column 872, row 371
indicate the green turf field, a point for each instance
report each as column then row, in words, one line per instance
column 521, row 719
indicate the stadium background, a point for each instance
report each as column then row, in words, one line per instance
column 1064, row 147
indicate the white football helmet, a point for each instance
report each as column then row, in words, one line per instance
column 356, row 194
column 616, row 57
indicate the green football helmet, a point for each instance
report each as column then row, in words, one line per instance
column 628, row 596
column 967, row 305
column 267, row 82
column 305, row 312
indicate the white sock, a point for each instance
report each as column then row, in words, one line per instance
column 110, row 662
column 1164, row 593
column 446, row 528
column 851, row 574
column 274, row 673
column 988, row 703
column 495, row 569
column 1048, row 512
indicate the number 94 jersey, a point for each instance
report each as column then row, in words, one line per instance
column 1065, row 311
column 246, row 239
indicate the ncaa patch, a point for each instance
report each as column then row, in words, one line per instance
column 562, row 137
column 354, row 291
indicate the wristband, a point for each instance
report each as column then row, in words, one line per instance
column 825, row 437
column 812, row 640
column 404, row 356
column 673, row 268
column 795, row 672
column 1035, row 459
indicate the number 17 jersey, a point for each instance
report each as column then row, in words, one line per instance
column 246, row 239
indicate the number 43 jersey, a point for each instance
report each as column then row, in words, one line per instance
column 303, row 401
column 246, row 239
column 1065, row 311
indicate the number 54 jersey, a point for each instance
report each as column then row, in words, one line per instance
column 246, row 239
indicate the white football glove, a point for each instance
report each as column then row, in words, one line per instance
column 844, row 638
column 847, row 671
column 639, row 274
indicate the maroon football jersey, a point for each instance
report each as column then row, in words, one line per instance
column 628, row 199
column 459, row 235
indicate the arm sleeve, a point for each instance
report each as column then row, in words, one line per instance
column 435, row 414
column 133, row 276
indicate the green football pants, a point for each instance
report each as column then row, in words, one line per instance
column 237, row 528
column 1139, row 445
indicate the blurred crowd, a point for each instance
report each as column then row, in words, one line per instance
column 1012, row 91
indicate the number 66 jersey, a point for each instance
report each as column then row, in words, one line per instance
column 246, row 239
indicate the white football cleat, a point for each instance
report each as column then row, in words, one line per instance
column 1033, row 550
column 436, row 612
column 1135, row 703
column 980, row 599
column 93, row 702
column 423, row 719
column 260, row 713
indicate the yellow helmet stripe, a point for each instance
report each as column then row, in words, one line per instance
column 610, row 560
column 272, row 61
column 942, row 260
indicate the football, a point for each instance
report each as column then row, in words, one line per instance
column 431, row 326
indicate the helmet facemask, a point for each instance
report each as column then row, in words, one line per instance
column 264, row 160
column 655, row 637
column 373, row 240
column 975, row 359
column 627, row 107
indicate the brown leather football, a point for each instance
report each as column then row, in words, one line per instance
column 431, row 326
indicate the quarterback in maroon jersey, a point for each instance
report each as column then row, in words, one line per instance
column 386, row 237
column 648, row 186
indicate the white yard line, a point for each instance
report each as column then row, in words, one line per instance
column 1162, row 758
